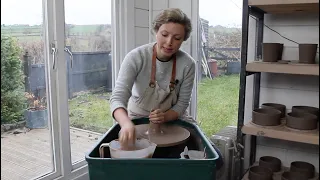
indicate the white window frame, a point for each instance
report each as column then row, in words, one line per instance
column 194, row 52
column 54, row 22
column 48, row 16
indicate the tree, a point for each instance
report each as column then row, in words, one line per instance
column 12, row 88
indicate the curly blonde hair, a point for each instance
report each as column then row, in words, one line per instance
column 173, row 15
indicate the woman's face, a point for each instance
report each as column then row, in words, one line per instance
column 169, row 39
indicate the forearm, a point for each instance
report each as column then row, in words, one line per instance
column 170, row 115
column 121, row 116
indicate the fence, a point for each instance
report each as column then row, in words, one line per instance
column 90, row 70
column 232, row 66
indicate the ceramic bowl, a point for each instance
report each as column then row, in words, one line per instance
column 304, row 168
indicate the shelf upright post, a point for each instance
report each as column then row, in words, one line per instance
column 257, row 76
column 242, row 90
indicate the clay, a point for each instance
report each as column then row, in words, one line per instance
column 165, row 136
column 302, row 121
column 266, row 116
column 260, row 173
column 307, row 53
column 270, row 162
column 279, row 107
column 304, row 168
column 293, row 176
column 272, row 52
column 308, row 109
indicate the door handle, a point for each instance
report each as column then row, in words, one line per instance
column 71, row 56
column 53, row 52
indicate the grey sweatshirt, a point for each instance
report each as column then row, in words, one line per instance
column 135, row 72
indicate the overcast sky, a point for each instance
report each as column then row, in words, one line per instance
column 217, row 12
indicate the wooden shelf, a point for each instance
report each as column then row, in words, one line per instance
column 286, row 6
column 291, row 68
column 282, row 132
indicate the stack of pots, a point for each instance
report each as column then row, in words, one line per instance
column 272, row 52
column 301, row 117
column 269, row 165
column 264, row 171
column 269, row 114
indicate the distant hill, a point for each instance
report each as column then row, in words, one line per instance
column 220, row 28
column 20, row 29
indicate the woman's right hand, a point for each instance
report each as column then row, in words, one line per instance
column 127, row 135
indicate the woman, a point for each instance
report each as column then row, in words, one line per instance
column 155, row 80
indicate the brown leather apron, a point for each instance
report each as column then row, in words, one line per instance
column 154, row 97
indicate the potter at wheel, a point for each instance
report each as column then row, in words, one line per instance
column 163, row 135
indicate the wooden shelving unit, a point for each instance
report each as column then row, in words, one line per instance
column 282, row 132
column 286, row 6
column 258, row 9
column 291, row 68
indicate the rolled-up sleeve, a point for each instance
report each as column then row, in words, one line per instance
column 123, row 86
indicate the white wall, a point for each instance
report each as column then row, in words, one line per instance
column 185, row 6
column 130, row 28
column 141, row 22
column 288, row 89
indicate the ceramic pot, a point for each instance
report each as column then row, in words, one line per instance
column 260, row 173
column 304, row 168
column 293, row 176
column 308, row 109
column 307, row 53
column 270, row 162
column 280, row 51
column 266, row 116
column 302, row 121
column 271, row 52
column 279, row 107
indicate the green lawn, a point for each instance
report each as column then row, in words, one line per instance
column 217, row 107
column 91, row 112
column 218, row 103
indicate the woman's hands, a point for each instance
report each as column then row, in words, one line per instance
column 157, row 116
column 127, row 135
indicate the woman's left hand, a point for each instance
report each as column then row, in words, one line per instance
column 157, row 116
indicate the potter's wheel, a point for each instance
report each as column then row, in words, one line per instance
column 169, row 135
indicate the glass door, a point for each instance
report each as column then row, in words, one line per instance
column 28, row 150
column 85, row 74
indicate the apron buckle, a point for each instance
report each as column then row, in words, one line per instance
column 152, row 85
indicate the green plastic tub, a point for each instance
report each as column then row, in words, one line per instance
column 165, row 164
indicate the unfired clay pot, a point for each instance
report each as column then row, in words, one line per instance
column 279, row 107
column 272, row 52
column 303, row 168
column 307, row 53
column 260, row 173
column 302, row 121
column 308, row 109
column 293, row 176
column 266, row 116
column 280, row 51
column 270, row 162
